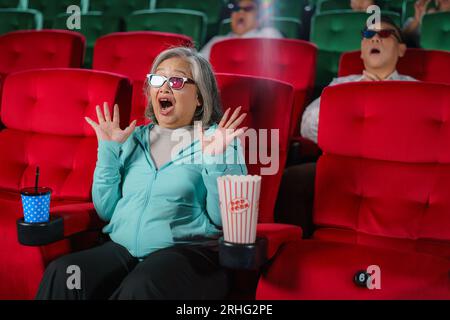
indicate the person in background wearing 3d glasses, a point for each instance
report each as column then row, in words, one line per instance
column 380, row 51
column 245, row 23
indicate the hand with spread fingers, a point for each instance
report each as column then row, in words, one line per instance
column 107, row 129
column 225, row 133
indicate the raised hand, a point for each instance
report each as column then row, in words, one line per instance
column 107, row 129
column 420, row 9
column 224, row 134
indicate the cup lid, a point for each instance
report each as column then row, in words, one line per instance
column 32, row 191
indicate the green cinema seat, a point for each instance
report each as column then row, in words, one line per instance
column 118, row 8
column 51, row 8
column 288, row 8
column 289, row 27
column 12, row 4
column 435, row 31
column 19, row 19
column 212, row 8
column 188, row 22
column 93, row 26
column 331, row 5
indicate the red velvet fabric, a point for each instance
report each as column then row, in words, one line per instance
column 277, row 235
column 264, row 111
column 132, row 54
column 43, row 111
column 30, row 49
column 382, row 197
column 288, row 60
column 319, row 269
column 424, row 65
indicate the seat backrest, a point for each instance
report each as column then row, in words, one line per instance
column 19, row 19
column 266, row 102
column 340, row 30
column 288, row 60
column 22, row 50
column 289, row 8
column 329, row 5
column 187, row 22
column 132, row 54
column 43, row 111
column 51, row 8
column 10, row 3
column 212, row 8
column 434, row 32
column 118, row 8
column 93, row 26
column 385, row 168
column 424, row 65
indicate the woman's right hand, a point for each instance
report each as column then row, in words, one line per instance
column 108, row 130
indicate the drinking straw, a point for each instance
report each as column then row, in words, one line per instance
column 36, row 182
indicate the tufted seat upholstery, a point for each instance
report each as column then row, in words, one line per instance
column 22, row 50
column 424, row 65
column 132, row 54
column 179, row 21
column 382, row 197
column 43, row 111
column 291, row 61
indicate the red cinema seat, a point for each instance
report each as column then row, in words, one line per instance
column 424, row 65
column 31, row 49
column 43, row 111
column 382, row 198
column 264, row 150
column 132, row 54
column 288, row 60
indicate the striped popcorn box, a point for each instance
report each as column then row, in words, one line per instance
column 239, row 205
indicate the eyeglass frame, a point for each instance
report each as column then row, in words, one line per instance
column 392, row 32
column 167, row 79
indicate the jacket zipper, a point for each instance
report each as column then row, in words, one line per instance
column 149, row 194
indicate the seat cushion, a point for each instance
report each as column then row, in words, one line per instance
column 316, row 269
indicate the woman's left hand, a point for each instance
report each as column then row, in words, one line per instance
column 224, row 134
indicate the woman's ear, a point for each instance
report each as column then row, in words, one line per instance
column 199, row 100
column 401, row 49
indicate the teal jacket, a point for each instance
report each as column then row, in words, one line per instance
column 150, row 209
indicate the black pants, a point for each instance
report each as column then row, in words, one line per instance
column 109, row 271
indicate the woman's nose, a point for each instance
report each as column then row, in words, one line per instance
column 165, row 87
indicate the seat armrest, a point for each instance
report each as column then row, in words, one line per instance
column 78, row 217
column 278, row 234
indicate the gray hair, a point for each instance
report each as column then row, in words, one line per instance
column 210, row 111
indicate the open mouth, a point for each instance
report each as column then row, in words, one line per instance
column 375, row 51
column 241, row 21
column 166, row 106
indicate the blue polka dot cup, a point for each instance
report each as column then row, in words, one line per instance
column 36, row 204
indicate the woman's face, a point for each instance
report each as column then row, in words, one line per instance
column 174, row 108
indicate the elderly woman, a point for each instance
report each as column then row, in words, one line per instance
column 159, row 195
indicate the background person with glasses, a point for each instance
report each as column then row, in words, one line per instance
column 380, row 51
column 162, row 212
column 246, row 22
